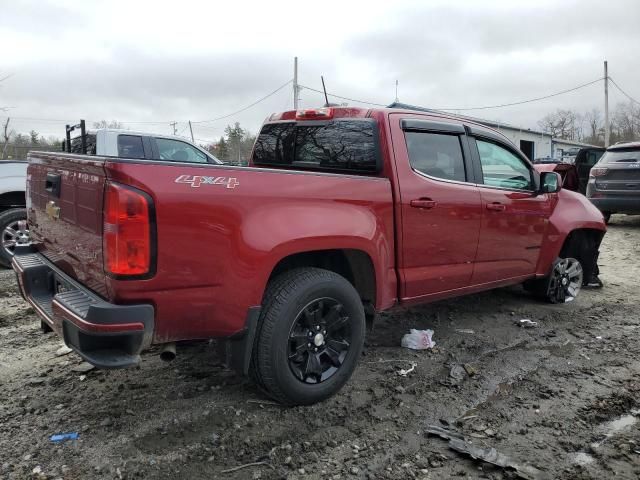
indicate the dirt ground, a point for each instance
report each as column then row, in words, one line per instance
column 560, row 397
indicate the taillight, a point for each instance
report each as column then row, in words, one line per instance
column 315, row 114
column 598, row 171
column 127, row 231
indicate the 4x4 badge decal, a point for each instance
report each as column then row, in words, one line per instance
column 196, row 180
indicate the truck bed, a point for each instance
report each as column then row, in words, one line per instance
column 217, row 230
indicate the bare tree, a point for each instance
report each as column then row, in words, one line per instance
column 561, row 124
column 593, row 118
column 107, row 124
column 5, row 136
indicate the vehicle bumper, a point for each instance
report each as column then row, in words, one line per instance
column 104, row 334
column 617, row 204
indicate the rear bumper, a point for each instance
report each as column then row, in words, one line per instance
column 613, row 202
column 620, row 204
column 104, row 334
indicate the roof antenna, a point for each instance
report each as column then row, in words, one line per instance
column 324, row 89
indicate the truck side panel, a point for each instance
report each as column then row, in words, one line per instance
column 222, row 230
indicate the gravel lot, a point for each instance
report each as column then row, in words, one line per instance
column 560, row 397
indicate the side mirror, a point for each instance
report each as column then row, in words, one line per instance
column 550, row 182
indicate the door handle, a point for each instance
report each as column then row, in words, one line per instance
column 496, row 206
column 423, row 203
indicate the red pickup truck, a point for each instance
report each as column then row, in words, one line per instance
column 342, row 212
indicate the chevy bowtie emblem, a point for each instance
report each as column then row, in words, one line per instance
column 52, row 210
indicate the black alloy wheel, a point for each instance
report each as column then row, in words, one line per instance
column 319, row 340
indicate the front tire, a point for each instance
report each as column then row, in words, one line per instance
column 310, row 335
column 10, row 235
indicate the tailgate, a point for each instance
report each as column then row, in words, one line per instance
column 64, row 205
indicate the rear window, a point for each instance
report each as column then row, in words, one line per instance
column 615, row 156
column 130, row 146
column 340, row 145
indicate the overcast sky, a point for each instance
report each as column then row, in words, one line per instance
column 154, row 61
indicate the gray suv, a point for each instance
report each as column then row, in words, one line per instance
column 614, row 182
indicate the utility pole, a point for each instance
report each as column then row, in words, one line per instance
column 295, row 83
column 396, row 92
column 607, row 127
column 191, row 130
column 174, row 124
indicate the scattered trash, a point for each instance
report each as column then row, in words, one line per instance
column 465, row 330
column 526, row 323
column 490, row 455
column 63, row 350
column 63, row 437
column 418, row 339
column 457, row 374
column 470, row 369
column 404, row 373
column 84, row 367
column 82, row 378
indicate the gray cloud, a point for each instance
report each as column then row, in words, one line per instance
column 448, row 55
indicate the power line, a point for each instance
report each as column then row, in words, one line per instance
column 248, row 106
column 484, row 107
column 623, row 92
column 343, row 98
column 58, row 120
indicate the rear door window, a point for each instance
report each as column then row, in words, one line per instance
column 436, row 155
column 340, row 145
column 502, row 168
column 130, row 146
column 177, row 151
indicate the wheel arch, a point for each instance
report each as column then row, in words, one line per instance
column 12, row 199
column 563, row 242
column 355, row 265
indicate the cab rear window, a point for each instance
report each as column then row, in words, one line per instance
column 339, row 145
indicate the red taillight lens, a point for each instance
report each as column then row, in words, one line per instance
column 127, row 231
column 315, row 114
column 598, row 171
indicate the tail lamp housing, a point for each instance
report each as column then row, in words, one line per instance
column 598, row 171
column 128, row 232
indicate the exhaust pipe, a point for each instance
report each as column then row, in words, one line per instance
column 168, row 352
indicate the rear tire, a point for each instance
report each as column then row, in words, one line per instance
column 310, row 335
column 607, row 217
column 9, row 236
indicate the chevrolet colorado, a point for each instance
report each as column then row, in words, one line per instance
column 341, row 213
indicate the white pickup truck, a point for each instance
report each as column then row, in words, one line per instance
column 104, row 142
column 13, row 176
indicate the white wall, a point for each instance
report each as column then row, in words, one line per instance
column 542, row 143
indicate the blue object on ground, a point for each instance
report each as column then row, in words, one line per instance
column 61, row 437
